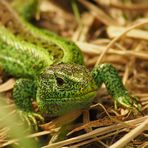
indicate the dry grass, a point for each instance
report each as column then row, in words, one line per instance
column 106, row 31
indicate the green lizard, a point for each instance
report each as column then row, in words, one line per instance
column 51, row 69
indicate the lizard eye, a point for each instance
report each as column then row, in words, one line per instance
column 60, row 81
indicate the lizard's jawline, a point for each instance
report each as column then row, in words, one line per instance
column 59, row 106
column 86, row 95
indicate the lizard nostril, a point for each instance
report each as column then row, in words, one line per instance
column 60, row 81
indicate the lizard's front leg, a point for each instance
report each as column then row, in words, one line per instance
column 107, row 74
column 23, row 92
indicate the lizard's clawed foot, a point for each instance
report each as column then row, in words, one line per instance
column 135, row 103
column 32, row 119
column 131, row 102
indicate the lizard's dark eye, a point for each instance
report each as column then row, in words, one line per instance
column 60, row 81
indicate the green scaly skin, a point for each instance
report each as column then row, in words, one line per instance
column 51, row 69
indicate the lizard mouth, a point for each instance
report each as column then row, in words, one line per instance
column 59, row 106
column 79, row 97
column 88, row 95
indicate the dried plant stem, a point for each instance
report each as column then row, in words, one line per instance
column 131, row 135
column 92, row 140
column 123, row 6
column 7, row 85
column 97, row 132
column 99, row 13
column 119, row 37
column 97, row 49
column 131, row 7
column 129, row 65
column 114, row 31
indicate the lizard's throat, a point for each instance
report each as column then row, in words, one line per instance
column 59, row 106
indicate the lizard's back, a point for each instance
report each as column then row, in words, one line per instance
column 26, row 50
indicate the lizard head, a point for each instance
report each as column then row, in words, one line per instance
column 63, row 88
